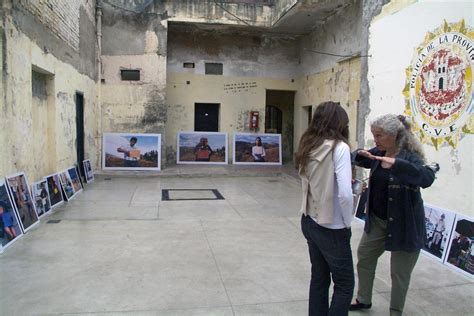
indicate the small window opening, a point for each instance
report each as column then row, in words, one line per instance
column 188, row 65
column 130, row 75
column 213, row 68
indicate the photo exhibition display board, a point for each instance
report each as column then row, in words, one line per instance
column 201, row 148
column 257, row 149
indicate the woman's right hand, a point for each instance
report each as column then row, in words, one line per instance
column 365, row 153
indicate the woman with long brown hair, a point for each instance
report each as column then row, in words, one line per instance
column 324, row 164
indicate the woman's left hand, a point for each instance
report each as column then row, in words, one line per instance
column 386, row 162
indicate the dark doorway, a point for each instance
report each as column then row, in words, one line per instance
column 279, row 118
column 206, row 117
column 273, row 120
column 80, row 130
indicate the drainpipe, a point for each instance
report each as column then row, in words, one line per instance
column 98, row 14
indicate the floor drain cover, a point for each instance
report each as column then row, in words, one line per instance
column 273, row 180
column 54, row 221
column 107, row 179
column 190, row 194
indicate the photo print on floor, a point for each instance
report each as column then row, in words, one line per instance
column 54, row 189
column 22, row 200
column 88, row 173
column 439, row 225
column 41, row 197
column 10, row 229
column 461, row 246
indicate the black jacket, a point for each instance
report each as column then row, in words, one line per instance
column 406, row 228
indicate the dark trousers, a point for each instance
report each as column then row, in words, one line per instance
column 331, row 256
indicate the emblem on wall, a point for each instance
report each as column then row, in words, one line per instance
column 438, row 91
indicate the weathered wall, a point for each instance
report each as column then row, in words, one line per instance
column 393, row 49
column 40, row 119
column 133, row 41
column 203, row 11
column 235, row 103
column 330, row 78
column 243, row 54
column 339, row 84
column 254, row 61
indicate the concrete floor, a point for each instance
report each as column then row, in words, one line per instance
column 120, row 250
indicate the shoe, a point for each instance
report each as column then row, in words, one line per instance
column 358, row 305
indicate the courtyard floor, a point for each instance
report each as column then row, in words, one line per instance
column 119, row 249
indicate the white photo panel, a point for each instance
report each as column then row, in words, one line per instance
column 201, row 148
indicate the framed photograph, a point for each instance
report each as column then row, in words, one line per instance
column 78, row 172
column 257, row 149
column 439, row 225
column 67, row 185
column 88, row 173
column 10, row 229
column 75, row 179
column 201, row 148
column 127, row 151
column 22, row 200
column 54, row 188
column 460, row 255
column 41, row 197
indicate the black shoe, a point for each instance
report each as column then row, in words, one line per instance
column 358, row 305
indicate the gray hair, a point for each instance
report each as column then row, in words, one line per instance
column 400, row 127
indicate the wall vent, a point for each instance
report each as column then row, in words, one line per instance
column 130, row 74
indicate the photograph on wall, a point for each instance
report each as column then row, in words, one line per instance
column 76, row 181
column 257, row 149
column 54, row 188
column 201, row 148
column 66, row 184
column 88, row 173
column 22, row 200
column 10, row 229
column 439, row 225
column 121, row 151
column 41, row 197
column 461, row 247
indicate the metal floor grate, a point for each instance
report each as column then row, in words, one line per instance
column 191, row 195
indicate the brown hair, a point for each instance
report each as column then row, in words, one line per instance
column 330, row 121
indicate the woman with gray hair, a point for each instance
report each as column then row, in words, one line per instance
column 394, row 207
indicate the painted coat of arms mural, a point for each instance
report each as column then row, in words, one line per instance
column 439, row 91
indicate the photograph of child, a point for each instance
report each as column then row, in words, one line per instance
column 41, row 197
column 22, row 200
column 9, row 227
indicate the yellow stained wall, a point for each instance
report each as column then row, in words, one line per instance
column 339, row 84
column 235, row 103
column 30, row 144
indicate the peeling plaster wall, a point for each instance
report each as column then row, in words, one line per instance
column 27, row 118
column 339, row 84
column 135, row 41
column 393, row 48
column 340, row 35
column 242, row 54
column 205, row 11
column 235, row 105
column 253, row 62
column 39, row 135
column 330, row 78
